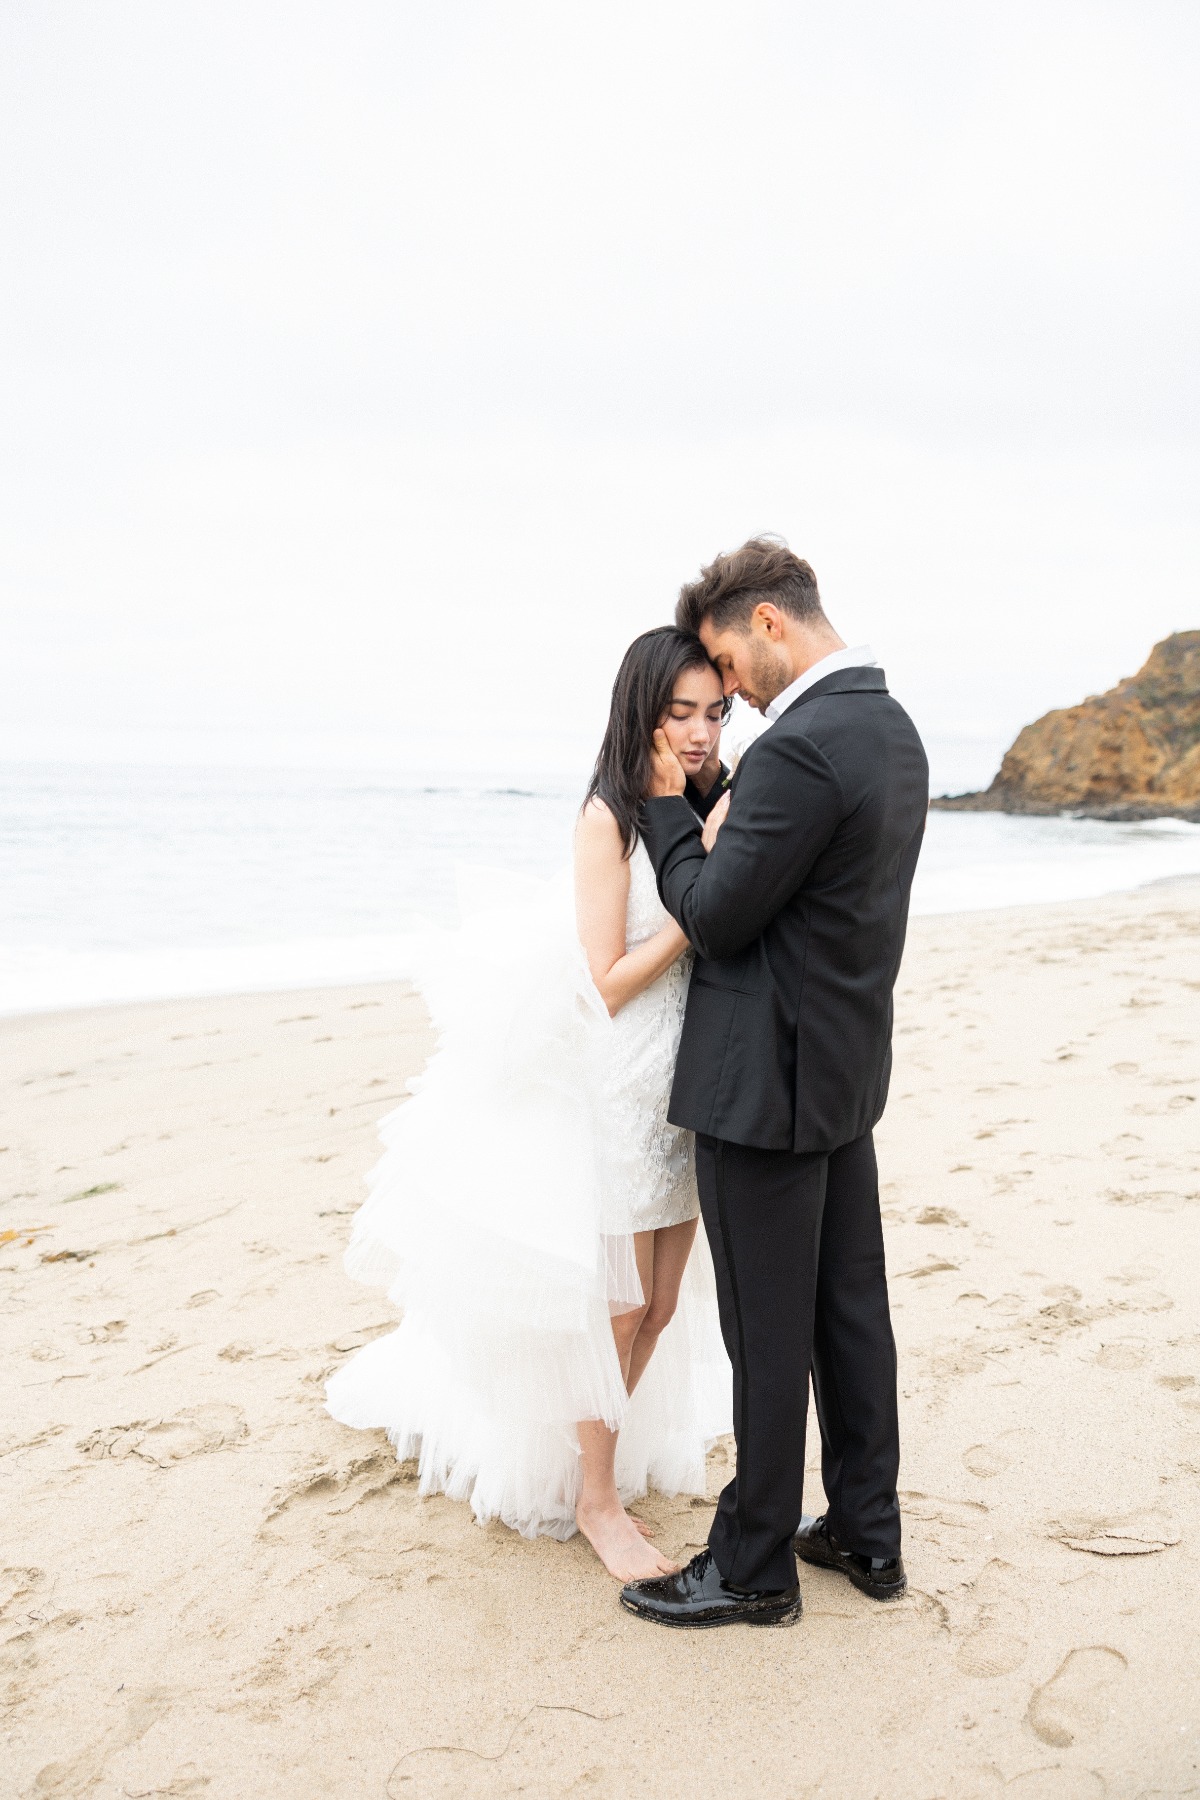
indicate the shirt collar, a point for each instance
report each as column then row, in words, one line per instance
column 860, row 657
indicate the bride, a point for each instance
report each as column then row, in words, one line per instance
column 534, row 1214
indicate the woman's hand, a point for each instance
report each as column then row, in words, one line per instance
column 714, row 821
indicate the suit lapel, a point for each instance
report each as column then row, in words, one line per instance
column 842, row 681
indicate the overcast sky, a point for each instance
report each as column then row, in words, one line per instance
column 373, row 372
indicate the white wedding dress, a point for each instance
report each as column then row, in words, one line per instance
column 501, row 1222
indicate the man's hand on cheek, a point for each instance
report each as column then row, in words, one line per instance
column 666, row 771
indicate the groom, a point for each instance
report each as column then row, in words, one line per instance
column 798, row 915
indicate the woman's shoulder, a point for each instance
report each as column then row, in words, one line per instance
column 598, row 827
column 600, row 852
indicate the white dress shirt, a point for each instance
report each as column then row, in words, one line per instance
column 860, row 657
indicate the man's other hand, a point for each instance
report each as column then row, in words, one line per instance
column 714, row 821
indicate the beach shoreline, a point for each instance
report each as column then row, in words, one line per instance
column 211, row 1588
column 122, row 886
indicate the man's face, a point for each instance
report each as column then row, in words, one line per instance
column 751, row 661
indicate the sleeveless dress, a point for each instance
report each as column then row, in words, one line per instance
column 651, row 1163
column 502, row 1215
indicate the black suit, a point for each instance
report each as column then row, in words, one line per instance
column 798, row 919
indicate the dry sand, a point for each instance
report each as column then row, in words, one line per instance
column 211, row 1589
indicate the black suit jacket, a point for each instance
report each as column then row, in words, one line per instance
column 798, row 920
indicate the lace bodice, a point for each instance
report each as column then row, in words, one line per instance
column 645, row 913
column 652, row 1173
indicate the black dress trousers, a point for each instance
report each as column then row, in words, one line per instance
column 797, row 1244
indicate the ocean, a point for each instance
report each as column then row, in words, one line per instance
column 122, row 883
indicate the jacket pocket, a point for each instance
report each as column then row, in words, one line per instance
column 722, row 987
column 704, row 1047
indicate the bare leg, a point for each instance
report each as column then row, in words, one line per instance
column 602, row 1519
column 617, row 1539
column 672, row 1247
column 626, row 1325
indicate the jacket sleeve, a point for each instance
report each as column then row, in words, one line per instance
column 787, row 804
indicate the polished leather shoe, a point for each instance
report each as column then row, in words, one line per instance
column 698, row 1596
column 881, row 1577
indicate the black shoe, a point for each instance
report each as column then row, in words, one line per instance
column 697, row 1595
column 881, row 1577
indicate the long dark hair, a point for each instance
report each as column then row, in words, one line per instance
column 641, row 695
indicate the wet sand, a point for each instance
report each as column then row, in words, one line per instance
column 209, row 1588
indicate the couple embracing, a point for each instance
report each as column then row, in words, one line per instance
column 705, row 1031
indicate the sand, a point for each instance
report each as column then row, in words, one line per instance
column 212, row 1589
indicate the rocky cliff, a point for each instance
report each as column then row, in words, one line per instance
column 1133, row 753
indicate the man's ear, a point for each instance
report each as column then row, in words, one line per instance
column 769, row 618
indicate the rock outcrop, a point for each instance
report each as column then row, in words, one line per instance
column 1133, row 753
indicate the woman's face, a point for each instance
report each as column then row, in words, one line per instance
column 692, row 722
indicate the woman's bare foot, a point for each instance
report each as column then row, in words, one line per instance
column 619, row 1544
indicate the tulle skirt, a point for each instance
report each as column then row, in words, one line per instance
column 487, row 1223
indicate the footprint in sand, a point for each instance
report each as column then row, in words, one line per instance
column 87, row 1768
column 937, row 1509
column 1141, row 1533
column 995, row 1644
column 1158, row 1199
column 1149, row 1301
column 339, row 1490
column 101, row 1334
column 1078, row 1697
column 17, row 1585
column 195, row 1431
column 947, row 1358
column 1123, row 1353
column 993, row 1458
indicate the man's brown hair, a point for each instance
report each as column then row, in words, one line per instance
column 736, row 581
